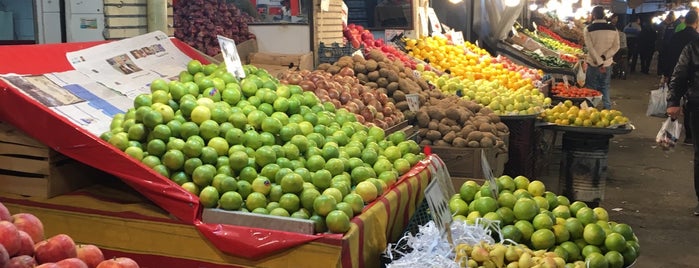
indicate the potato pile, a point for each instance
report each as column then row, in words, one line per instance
column 452, row 121
column 385, row 76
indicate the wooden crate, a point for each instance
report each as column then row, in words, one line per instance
column 28, row 167
column 466, row 162
column 129, row 18
column 327, row 25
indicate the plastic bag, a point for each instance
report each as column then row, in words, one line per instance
column 579, row 73
column 657, row 104
column 669, row 133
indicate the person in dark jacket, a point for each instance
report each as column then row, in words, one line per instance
column 682, row 85
column 678, row 41
column 632, row 31
column 646, row 46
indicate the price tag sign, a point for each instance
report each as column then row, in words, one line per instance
column 439, row 207
column 514, row 31
column 231, row 57
column 565, row 81
column 389, row 34
column 413, row 102
column 536, row 29
column 358, row 52
column 424, row 21
column 434, row 21
column 457, row 38
column 325, row 5
column 488, row 174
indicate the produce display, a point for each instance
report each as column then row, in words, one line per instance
column 558, row 232
column 526, row 100
column 358, row 36
column 259, row 146
column 23, row 245
column 385, row 76
column 565, row 113
column 550, row 61
column 198, row 23
column 553, row 44
column 460, row 123
column 561, row 90
column 557, row 37
column 344, row 90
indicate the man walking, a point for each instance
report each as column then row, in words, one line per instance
column 602, row 42
column 682, row 84
column 677, row 42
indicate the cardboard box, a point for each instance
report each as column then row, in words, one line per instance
column 300, row 61
column 30, row 168
column 466, row 162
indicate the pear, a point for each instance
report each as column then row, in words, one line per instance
column 511, row 254
column 497, row 255
column 479, row 254
column 548, row 262
column 560, row 262
column 490, row 264
column 512, row 265
column 472, row 263
column 525, row 261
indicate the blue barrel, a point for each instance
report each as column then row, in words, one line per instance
column 583, row 172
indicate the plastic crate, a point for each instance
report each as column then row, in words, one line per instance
column 522, row 148
column 331, row 54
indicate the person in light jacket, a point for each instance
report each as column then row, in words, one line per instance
column 602, row 42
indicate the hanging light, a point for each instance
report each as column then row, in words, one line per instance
column 533, row 7
column 455, row 1
column 512, row 3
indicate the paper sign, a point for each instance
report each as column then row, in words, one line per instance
column 413, row 102
column 345, row 11
column 424, row 24
column 565, row 81
column 231, row 57
column 514, row 31
column 536, row 29
column 439, row 206
column 358, row 52
column 457, row 38
column 488, row 174
column 445, row 27
column 325, row 5
column 434, row 21
column 517, row 47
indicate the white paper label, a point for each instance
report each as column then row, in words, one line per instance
column 439, row 206
column 565, row 81
column 413, row 102
column 514, row 31
column 434, row 21
column 536, row 29
column 231, row 57
column 457, row 38
column 488, row 174
column 424, row 22
column 325, row 5
column 389, row 34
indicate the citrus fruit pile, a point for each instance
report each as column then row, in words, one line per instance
column 541, row 220
column 567, row 114
column 260, row 146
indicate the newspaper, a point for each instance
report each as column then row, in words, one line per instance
column 128, row 66
column 106, row 79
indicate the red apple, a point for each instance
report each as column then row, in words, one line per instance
column 71, row 263
column 90, row 254
column 55, row 249
column 22, row 261
column 4, row 256
column 26, row 244
column 5, row 213
column 120, row 262
column 9, row 237
column 30, row 224
column 48, row 265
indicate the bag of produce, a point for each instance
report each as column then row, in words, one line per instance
column 669, row 133
column 657, row 104
column 579, row 73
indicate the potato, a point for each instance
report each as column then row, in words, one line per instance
column 487, row 142
column 474, row 144
column 494, row 118
column 334, row 69
column 448, row 122
column 403, row 106
column 373, row 76
column 382, row 82
column 359, row 68
column 425, row 142
column 453, row 114
column 486, row 127
column 449, row 137
column 456, row 128
column 392, row 87
column 384, row 72
column 442, row 143
column 398, row 96
column 459, row 142
column 502, row 127
column 422, row 132
column 422, row 118
column 324, row 66
column 444, row 129
column 435, row 113
column 371, row 85
column 358, row 58
column 475, row 136
column 371, row 65
column 363, row 79
column 433, row 135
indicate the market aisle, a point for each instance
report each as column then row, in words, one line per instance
column 654, row 189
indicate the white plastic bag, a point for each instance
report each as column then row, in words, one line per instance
column 669, row 133
column 580, row 74
column 657, row 104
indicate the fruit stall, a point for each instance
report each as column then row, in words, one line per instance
column 137, row 147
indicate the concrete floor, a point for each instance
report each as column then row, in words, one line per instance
column 648, row 188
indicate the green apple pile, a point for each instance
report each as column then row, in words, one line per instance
column 259, row 146
column 541, row 220
column 501, row 100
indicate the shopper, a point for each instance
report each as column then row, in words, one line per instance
column 646, row 46
column 677, row 43
column 682, row 85
column 632, row 31
column 665, row 32
column 602, row 42
column 621, row 64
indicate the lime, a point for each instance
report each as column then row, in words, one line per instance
column 261, row 185
column 289, row 202
column 525, row 228
column 209, row 197
column 324, row 204
column 173, row 159
column 594, row 234
column 525, row 209
column 204, row 175
column 255, row 200
column 543, row 239
column 292, row 183
column 231, row 201
column 615, row 242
